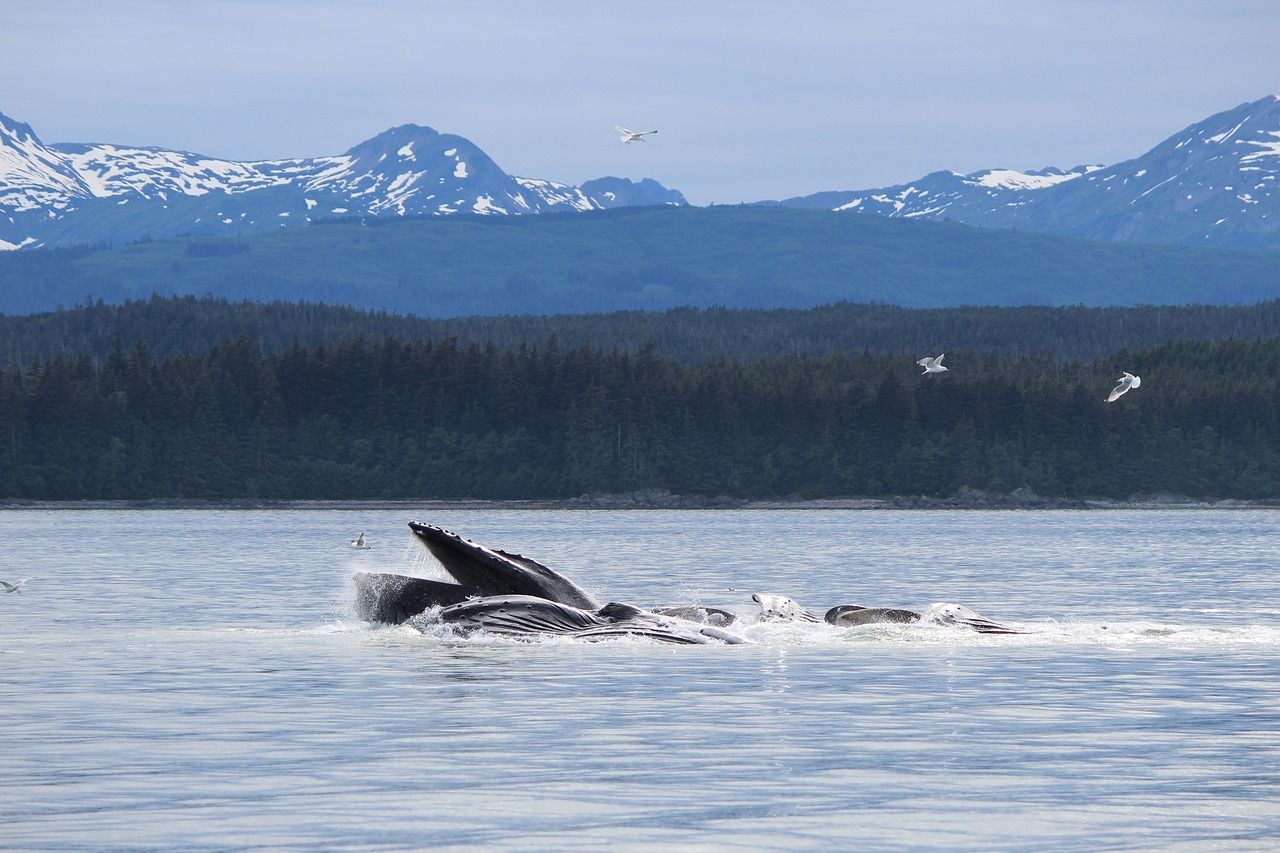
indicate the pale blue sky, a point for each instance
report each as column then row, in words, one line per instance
column 753, row 99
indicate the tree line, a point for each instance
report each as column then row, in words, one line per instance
column 176, row 325
column 394, row 419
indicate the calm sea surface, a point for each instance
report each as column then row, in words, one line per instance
column 196, row 680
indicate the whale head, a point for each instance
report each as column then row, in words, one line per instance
column 781, row 608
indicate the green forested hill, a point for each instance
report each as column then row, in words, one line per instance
column 171, row 326
column 649, row 258
column 390, row 419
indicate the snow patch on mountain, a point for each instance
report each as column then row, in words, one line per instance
column 1181, row 191
column 32, row 175
column 1012, row 180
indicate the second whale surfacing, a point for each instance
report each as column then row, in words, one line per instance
column 511, row 595
column 775, row 607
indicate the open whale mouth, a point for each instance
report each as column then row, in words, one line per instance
column 507, row 594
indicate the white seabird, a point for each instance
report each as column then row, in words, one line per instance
column 630, row 136
column 932, row 365
column 359, row 542
column 16, row 586
column 1127, row 382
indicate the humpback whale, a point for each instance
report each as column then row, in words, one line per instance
column 780, row 607
column 508, row 594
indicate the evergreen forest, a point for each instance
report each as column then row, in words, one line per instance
column 179, row 325
column 389, row 418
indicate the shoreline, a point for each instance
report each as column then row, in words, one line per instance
column 665, row 502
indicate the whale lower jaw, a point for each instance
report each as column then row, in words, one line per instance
column 527, row 616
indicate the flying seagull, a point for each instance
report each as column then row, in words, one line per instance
column 359, row 542
column 16, row 586
column 932, row 365
column 1127, row 382
column 630, row 136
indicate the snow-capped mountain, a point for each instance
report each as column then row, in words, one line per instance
column 66, row 194
column 1212, row 184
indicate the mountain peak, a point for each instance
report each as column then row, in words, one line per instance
column 15, row 130
column 94, row 192
column 611, row 191
column 397, row 136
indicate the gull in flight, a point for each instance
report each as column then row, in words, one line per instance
column 16, row 586
column 1127, row 382
column 359, row 542
column 630, row 136
column 932, row 365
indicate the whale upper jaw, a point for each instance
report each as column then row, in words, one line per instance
column 494, row 572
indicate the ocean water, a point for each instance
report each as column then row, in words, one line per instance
column 196, row 680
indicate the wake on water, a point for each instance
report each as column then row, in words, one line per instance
column 1038, row 633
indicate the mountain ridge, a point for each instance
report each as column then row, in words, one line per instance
column 63, row 194
column 1212, row 184
column 1187, row 190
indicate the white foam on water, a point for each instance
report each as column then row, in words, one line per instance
column 1046, row 634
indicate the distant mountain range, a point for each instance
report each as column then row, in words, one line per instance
column 70, row 194
column 1212, row 184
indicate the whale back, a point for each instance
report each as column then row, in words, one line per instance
column 849, row 615
column 494, row 572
